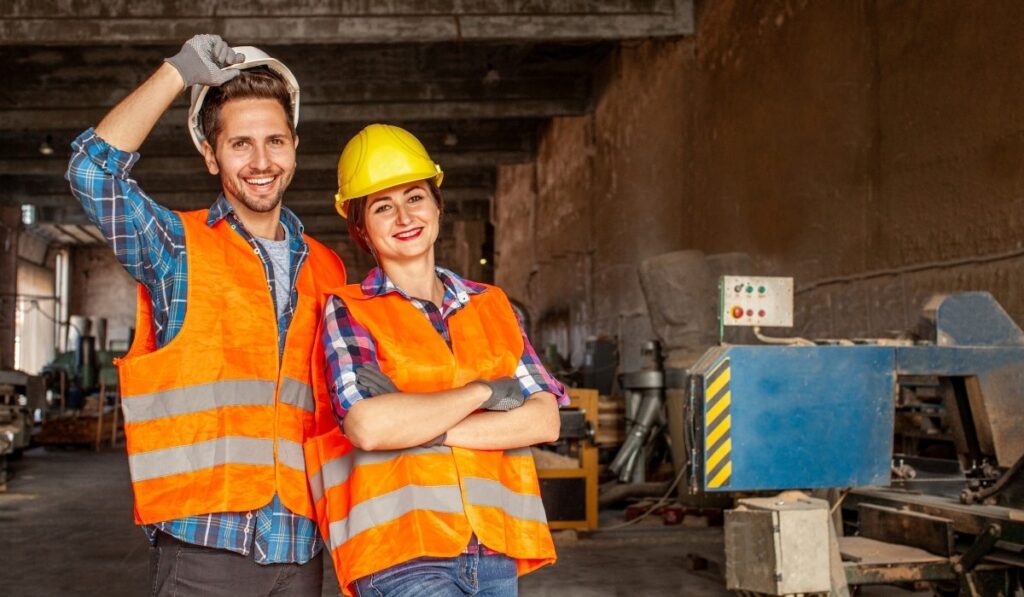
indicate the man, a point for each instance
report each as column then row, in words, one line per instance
column 217, row 387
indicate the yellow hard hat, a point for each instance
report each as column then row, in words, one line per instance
column 379, row 157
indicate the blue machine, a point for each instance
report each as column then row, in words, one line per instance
column 822, row 416
column 772, row 417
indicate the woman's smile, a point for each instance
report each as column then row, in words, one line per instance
column 408, row 235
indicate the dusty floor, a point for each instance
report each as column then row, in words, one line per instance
column 66, row 529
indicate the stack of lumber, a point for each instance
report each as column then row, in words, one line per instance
column 74, row 429
column 611, row 421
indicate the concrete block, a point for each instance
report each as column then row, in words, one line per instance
column 778, row 546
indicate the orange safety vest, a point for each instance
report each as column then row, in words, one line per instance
column 215, row 419
column 379, row 509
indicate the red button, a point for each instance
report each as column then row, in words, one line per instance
column 750, row 312
column 737, row 312
column 760, row 313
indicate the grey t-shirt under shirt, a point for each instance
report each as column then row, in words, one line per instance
column 280, row 255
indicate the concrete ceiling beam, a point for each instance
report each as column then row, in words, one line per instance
column 96, row 75
column 193, row 164
column 306, row 200
column 469, row 136
column 94, row 91
column 34, row 22
column 391, row 8
column 43, row 119
column 156, row 182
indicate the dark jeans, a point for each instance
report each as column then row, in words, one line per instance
column 477, row 574
column 178, row 569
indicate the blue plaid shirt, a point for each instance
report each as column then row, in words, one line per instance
column 348, row 344
column 149, row 241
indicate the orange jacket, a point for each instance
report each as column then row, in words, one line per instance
column 379, row 509
column 215, row 420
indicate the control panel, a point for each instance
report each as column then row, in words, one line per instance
column 756, row 300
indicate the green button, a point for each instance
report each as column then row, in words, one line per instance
column 761, row 290
column 750, row 289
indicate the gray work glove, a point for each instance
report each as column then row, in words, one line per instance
column 201, row 59
column 506, row 394
column 373, row 381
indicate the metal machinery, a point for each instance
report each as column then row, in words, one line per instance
column 822, row 415
column 88, row 365
column 645, row 416
column 21, row 395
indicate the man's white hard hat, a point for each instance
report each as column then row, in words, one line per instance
column 253, row 57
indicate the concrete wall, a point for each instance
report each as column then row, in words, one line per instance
column 100, row 287
column 605, row 193
column 843, row 143
column 10, row 226
column 37, row 328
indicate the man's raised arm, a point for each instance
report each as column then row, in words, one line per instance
column 198, row 63
column 144, row 235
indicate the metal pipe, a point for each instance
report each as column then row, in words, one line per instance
column 631, row 473
column 637, row 437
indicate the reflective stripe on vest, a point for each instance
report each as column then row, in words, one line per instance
column 438, row 498
column 331, row 474
column 298, row 394
column 184, row 401
column 336, row 471
column 290, row 454
column 195, row 457
column 328, row 462
column 492, row 494
column 391, row 506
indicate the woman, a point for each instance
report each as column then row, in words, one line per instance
column 440, row 394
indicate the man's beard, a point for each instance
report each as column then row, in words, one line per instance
column 260, row 206
column 256, row 205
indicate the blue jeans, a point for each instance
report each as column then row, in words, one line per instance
column 476, row 574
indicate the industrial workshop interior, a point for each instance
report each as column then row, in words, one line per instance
column 766, row 258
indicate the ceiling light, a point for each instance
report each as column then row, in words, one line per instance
column 46, row 147
column 483, row 261
column 28, row 213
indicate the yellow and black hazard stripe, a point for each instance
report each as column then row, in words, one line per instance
column 717, row 427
